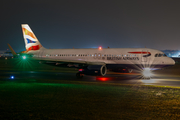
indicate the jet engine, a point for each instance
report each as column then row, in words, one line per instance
column 95, row 70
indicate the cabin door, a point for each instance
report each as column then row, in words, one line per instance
column 144, row 56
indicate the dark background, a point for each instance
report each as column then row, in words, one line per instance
column 92, row 23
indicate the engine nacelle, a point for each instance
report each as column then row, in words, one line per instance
column 95, row 70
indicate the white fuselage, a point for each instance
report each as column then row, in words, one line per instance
column 108, row 56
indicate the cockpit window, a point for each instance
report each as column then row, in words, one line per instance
column 160, row 55
column 164, row 55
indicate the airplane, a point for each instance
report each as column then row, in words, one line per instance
column 97, row 61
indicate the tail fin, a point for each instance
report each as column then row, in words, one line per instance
column 31, row 42
column 13, row 52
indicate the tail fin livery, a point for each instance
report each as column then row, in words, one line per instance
column 31, row 42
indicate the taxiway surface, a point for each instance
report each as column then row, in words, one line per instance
column 25, row 71
column 160, row 78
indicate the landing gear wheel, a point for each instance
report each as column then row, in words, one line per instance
column 79, row 75
column 146, row 78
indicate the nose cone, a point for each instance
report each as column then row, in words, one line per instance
column 171, row 61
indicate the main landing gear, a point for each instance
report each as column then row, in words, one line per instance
column 146, row 78
column 79, row 75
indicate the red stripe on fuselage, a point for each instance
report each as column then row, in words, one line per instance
column 140, row 52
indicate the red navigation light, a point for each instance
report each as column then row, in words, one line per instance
column 100, row 48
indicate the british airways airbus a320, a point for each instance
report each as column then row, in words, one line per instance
column 97, row 61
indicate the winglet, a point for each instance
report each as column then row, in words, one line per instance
column 13, row 52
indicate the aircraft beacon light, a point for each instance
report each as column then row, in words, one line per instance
column 100, row 48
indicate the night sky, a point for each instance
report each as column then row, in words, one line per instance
column 92, row 23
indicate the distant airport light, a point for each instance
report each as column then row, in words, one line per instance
column 100, row 48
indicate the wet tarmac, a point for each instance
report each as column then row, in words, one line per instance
column 159, row 78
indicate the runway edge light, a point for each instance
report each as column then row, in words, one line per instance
column 12, row 77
